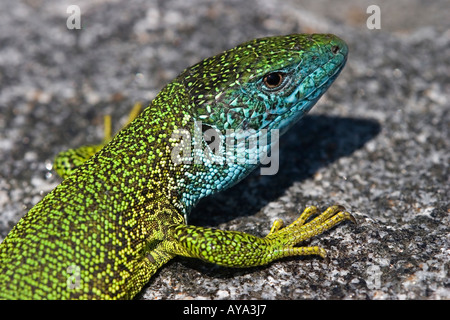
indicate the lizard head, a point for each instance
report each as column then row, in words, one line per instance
column 266, row 83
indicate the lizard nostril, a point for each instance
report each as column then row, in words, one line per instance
column 335, row 49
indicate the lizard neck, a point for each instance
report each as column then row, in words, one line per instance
column 165, row 147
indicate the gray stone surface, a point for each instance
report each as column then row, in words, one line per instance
column 377, row 142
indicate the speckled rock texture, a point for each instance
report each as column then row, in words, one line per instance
column 378, row 142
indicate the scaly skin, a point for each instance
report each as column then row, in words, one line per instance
column 119, row 214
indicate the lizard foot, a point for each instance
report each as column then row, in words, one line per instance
column 302, row 229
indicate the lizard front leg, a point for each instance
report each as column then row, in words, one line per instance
column 239, row 249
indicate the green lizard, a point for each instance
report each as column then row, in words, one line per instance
column 120, row 213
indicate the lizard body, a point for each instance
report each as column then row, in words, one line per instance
column 119, row 214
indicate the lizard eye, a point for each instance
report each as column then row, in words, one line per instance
column 274, row 80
